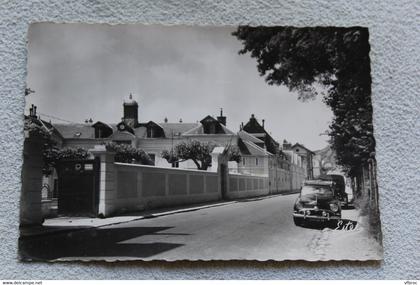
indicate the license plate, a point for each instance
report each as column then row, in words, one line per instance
column 316, row 219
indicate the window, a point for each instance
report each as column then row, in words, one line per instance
column 150, row 132
column 243, row 160
column 210, row 128
column 102, row 131
column 175, row 164
column 154, row 132
column 256, row 161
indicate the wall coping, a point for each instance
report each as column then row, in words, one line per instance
column 248, row 175
column 165, row 168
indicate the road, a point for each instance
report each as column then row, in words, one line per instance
column 259, row 228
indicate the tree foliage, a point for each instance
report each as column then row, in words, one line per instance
column 199, row 153
column 233, row 153
column 53, row 155
column 127, row 154
column 307, row 60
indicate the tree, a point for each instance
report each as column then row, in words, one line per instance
column 233, row 153
column 128, row 154
column 307, row 60
column 199, row 153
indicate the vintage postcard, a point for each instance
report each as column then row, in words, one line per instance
column 198, row 143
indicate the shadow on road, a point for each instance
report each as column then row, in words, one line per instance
column 95, row 242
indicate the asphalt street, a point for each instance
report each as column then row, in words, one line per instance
column 259, row 228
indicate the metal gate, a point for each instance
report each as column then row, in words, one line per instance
column 78, row 188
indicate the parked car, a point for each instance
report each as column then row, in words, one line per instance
column 340, row 186
column 317, row 203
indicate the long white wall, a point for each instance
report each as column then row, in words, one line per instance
column 244, row 186
column 140, row 187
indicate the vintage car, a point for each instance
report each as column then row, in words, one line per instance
column 317, row 203
column 340, row 187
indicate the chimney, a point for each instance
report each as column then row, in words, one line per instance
column 165, row 120
column 221, row 119
column 180, row 120
column 263, row 121
column 286, row 145
column 32, row 111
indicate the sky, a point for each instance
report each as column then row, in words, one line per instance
column 81, row 71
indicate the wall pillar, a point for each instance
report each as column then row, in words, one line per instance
column 30, row 198
column 219, row 164
column 107, row 180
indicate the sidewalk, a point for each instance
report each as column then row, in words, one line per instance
column 64, row 224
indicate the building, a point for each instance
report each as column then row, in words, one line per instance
column 155, row 137
column 99, row 185
column 256, row 129
column 305, row 157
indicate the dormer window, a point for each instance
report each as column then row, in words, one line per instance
column 153, row 130
column 102, row 130
column 211, row 126
column 150, row 132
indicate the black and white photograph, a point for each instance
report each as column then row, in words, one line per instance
column 153, row 142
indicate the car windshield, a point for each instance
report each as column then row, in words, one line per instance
column 316, row 189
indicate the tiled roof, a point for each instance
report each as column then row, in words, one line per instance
column 124, row 135
column 81, row 131
column 177, row 128
column 86, row 131
column 302, row 146
column 248, row 137
column 254, row 149
column 198, row 130
column 227, row 131
column 140, row 132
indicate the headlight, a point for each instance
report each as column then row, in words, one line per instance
column 334, row 207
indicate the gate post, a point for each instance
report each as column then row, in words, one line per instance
column 220, row 159
column 107, row 184
column 30, row 197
